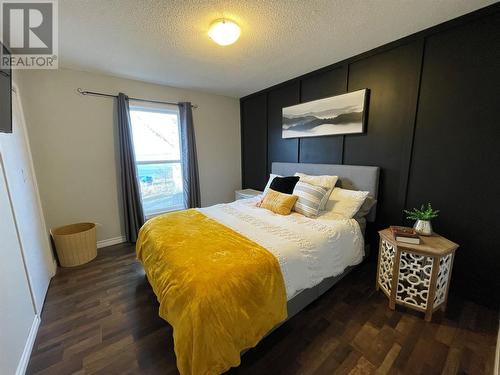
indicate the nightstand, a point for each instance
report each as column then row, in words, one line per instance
column 246, row 193
column 415, row 276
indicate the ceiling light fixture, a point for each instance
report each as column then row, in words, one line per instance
column 224, row 32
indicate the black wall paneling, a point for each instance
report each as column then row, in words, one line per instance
column 254, row 142
column 392, row 77
column 432, row 127
column 279, row 149
column 456, row 155
column 328, row 149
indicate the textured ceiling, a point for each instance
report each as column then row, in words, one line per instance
column 166, row 41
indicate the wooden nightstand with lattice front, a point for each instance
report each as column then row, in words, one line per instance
column 415, row 276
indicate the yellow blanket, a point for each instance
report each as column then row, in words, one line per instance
column 220, row 291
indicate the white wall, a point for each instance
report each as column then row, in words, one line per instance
column 73, row 142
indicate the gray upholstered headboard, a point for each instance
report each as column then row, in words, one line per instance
column 353, row 177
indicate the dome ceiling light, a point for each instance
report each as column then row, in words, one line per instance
column 224, row 32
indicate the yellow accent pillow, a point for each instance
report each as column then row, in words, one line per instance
column 279, row 203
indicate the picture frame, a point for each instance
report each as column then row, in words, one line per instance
column 335, row 115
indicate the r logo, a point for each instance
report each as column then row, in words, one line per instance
column 27, row 27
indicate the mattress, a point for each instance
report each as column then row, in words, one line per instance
column 308, row 250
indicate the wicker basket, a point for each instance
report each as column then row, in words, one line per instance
column 75, row 243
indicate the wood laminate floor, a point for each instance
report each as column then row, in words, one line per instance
column 101, row 318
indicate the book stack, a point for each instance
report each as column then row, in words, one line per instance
column 405, row 234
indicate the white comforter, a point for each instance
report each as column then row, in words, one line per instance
column 308, row 250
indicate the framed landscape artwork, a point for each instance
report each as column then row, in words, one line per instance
column 336, row 115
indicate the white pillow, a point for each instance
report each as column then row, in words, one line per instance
column 271, row 178
column 327, row 182
column 345, row 203
column 309, row 198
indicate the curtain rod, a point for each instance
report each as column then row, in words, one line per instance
column 94, row 93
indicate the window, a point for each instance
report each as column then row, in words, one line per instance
column 156, row 134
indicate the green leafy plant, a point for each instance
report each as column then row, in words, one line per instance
column 424, row 213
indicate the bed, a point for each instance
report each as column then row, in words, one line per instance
column 229, row 274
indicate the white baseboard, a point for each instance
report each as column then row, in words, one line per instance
column 25, row 358
column 111, row 241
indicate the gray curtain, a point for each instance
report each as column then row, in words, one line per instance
column 132, row 205
column 189, row 158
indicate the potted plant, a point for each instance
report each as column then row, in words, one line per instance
column 423, row 217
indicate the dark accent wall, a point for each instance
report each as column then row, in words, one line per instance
column 279, row 149
column 456, row 152
column 254, row 141
column 433, row 127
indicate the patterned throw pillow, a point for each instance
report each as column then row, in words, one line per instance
column 325, row 181
column 279, row 203
column 309, row 198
